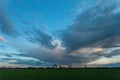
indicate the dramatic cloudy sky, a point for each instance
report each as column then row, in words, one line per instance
column 47, row 32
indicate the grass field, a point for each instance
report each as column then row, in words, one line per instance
column 60, row 74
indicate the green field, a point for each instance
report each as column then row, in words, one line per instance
column 60, row 74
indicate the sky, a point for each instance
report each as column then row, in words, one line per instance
column 63, row 32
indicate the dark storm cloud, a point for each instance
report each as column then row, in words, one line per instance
column 39, row 37
column 94, row 24
column 6, row 25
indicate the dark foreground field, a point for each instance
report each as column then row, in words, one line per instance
column 60, row 74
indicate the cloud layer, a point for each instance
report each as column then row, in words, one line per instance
column 94, row 35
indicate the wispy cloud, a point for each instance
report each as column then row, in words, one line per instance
column 3, row 39
column 20, row 59
column 38, row 37
column 6, row 24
